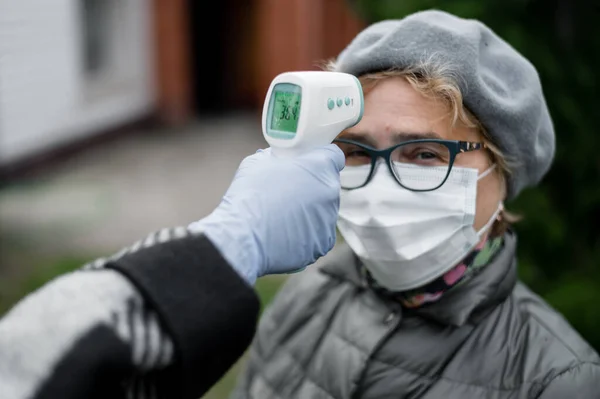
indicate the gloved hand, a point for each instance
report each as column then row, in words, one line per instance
column 279, row 214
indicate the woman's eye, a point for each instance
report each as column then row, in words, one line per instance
column 357, row 153
column 426, row 155
column 429, row 154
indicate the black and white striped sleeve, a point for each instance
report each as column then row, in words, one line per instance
column 165, row 317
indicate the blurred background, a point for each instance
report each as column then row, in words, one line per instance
column 120, row 117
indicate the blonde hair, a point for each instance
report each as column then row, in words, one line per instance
column 438, row 80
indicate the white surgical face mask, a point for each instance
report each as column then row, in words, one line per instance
column 405, row 238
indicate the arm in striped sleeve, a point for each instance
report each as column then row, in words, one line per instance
column 164, row 318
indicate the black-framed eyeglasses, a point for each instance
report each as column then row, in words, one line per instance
column 417, row 165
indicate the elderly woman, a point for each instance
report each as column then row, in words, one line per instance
column 422, row 299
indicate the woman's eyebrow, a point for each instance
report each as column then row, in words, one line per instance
column 398, row 137
column 363, row 138
column 401, row 137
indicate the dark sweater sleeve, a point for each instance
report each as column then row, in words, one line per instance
column 208, row 310
column 164, row 318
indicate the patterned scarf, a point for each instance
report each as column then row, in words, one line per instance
column 480, row 257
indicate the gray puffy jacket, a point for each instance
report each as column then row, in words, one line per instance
column 327, row 335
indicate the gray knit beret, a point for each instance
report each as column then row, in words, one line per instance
column 499, row 86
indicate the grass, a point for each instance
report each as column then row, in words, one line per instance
column 42, row 270
column 267, row 288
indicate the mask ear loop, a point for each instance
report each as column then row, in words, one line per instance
column 495, row 216
column 486, row 172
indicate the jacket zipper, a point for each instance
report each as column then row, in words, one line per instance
column 355, row 389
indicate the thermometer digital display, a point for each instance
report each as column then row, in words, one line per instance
column 286, row 108
column 308, row 109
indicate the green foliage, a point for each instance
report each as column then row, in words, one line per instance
column 559, row 248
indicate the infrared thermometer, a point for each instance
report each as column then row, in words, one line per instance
column 308, row 109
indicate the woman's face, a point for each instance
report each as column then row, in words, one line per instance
column 395, row 112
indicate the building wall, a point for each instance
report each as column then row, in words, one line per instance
column 231, row 55
column 47, row 96
column 172, row 60
column 299, row 35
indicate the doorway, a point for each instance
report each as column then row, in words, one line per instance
column 222, row 43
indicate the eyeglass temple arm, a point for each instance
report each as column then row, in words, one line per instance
column 466, row 146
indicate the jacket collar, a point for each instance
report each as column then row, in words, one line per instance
column 468, row 302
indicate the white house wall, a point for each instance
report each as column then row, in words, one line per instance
column 45, row 98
